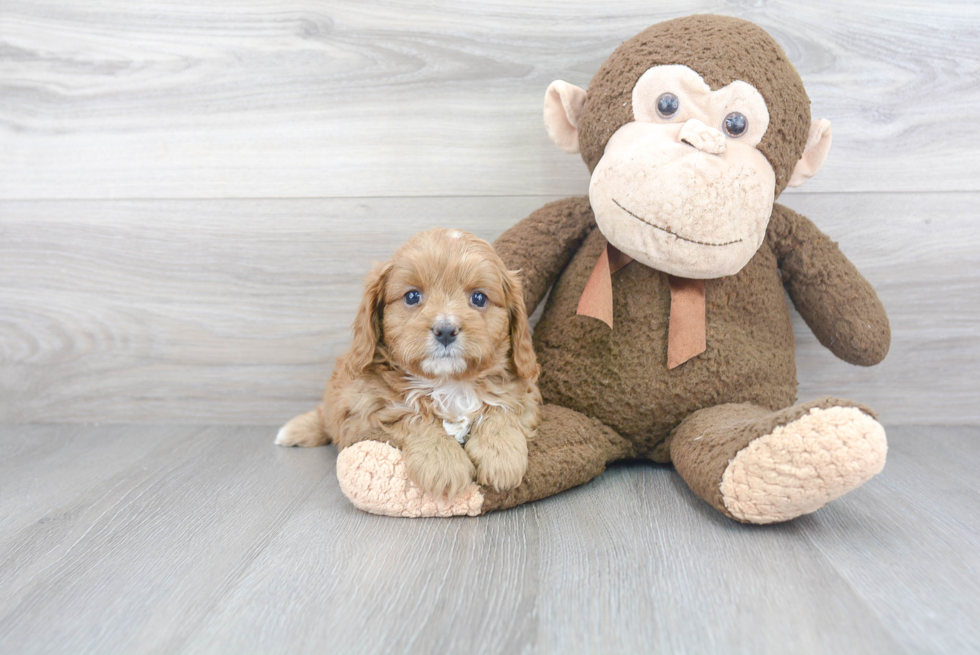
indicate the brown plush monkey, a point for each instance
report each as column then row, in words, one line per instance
column 667, row 335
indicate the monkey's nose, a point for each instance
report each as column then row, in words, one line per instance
column 445, row 333
column 704, row 138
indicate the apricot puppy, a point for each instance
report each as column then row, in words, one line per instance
column 441, row 366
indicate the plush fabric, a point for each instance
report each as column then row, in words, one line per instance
column 722, row 50
column 827, row 290
column 375, row 479
column 597, row 300
column 707, row 441
column 725, row 416
column 686, row 332
column 801, row 466
column 662, row 196
column 568, row 450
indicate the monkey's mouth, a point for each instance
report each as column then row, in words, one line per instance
column 674, row 234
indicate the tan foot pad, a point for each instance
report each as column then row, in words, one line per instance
column 373, row 477
column 801, row 466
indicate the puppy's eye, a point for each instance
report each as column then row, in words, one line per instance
column 413, row 297
column 478, row 299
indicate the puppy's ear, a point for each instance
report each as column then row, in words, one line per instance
column 367, row 324
column 522, row 350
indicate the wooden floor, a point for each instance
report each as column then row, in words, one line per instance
column 127, row 539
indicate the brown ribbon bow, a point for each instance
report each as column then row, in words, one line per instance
column 686, row 330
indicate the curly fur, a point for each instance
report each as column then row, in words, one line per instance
column 398, row 384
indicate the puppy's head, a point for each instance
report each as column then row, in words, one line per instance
column 444, row 306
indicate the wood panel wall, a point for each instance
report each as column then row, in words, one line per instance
column 191, row 192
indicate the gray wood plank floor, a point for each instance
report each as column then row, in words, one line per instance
column 156, row 539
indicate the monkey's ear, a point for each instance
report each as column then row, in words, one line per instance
column 563, row 104
column 814, row 154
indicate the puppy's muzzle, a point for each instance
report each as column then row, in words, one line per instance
column 445, row 333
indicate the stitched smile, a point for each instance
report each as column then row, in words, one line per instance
column 663, row 229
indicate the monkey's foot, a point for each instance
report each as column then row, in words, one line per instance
column 373, row 477
column 801, row 466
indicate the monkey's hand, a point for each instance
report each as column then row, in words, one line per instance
column 834, row 299
column 541, row 245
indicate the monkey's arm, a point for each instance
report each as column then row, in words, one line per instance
column 541, row 245
column 834, row 299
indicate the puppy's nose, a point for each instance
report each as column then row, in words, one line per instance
column 445, row 333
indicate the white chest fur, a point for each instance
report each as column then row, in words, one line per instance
column 456, row 403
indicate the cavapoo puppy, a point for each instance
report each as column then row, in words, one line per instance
column 440, row 365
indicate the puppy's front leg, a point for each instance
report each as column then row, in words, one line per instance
column 498, row 447
column 435, row 460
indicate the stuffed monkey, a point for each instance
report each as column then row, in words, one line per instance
column 667, row 335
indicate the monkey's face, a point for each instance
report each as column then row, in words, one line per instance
column 682, row 188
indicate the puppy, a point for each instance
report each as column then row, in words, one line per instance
column 441, row 366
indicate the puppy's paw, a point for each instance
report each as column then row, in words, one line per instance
column 439, row 467
column 501, row 459
column 373, row 477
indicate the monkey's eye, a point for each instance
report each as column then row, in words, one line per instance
column 478, row 299
column 413, row 297
column 667, row 105
column 735, row 124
